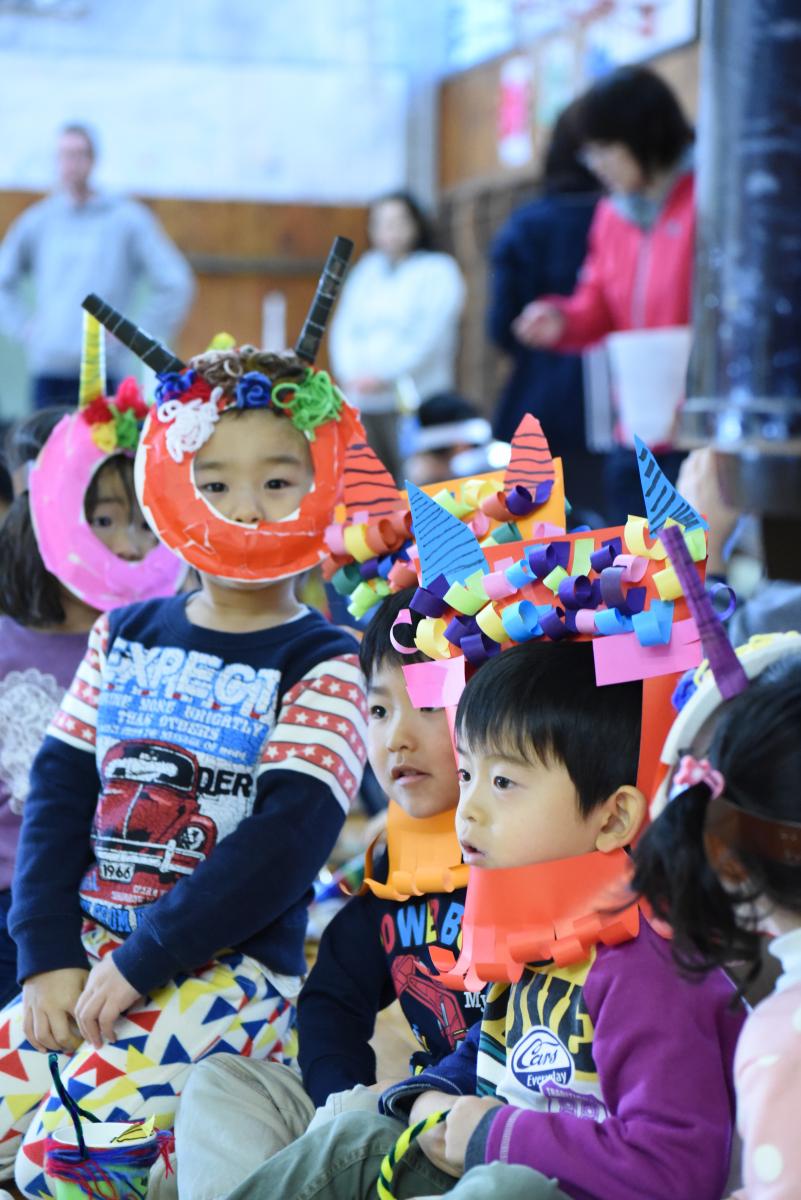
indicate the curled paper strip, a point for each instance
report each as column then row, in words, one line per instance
column 404, row 617
column 521, row 621
column 430, row 638
column 543, row 559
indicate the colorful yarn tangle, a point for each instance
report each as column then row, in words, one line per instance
column 113, row 1172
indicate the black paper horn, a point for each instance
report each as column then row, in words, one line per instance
column 142, row 344
column 328, row 287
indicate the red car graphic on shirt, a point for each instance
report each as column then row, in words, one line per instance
column 407, row 978
column 149, row 830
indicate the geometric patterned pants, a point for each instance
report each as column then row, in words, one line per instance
column 229, row 1005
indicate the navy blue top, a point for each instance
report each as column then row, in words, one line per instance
column 373, row 952
column 190, row 787
column 539, row 251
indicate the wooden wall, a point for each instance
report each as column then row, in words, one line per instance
column 478, row 193
column 239, row 252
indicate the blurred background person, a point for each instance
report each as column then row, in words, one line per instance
column 540, row 249
column 397, row 322
column 638, row 272
column 445, row 428
column 79, row 240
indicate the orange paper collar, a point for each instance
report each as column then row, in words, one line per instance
column 552, row 911
column 424, row 856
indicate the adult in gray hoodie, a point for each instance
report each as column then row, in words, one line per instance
column 79, row 240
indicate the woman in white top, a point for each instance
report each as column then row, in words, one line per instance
column 397, row 320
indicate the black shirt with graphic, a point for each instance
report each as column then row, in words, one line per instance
column 374, row 952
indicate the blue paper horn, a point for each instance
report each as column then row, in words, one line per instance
column 723, row 662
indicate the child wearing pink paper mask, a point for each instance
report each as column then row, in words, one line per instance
column 43, row 632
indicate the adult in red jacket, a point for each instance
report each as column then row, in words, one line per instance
column 638, row 270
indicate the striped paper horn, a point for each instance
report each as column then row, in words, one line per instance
column 723, row 662
column 142, row 344
column 93, row 362
column 328, row 287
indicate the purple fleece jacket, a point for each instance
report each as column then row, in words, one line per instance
column 662, row 1050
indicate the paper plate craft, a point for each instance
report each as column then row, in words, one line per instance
column 190, row 401
column 105, row 1160
column 372, row 544
column 611, row 586
column 78, row 447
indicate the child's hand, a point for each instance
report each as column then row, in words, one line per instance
column 463, row 1119
column 433, row 1143
column 107, row 995
column 48, row 1005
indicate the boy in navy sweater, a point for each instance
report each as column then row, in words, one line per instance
column 194, row 780
column 374, row 951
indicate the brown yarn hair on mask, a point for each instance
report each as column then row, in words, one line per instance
column 222, row 368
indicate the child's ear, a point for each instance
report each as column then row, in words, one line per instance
column 623, row 815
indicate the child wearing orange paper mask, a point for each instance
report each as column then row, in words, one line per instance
column 193, row 782
column 373, row 952
column 569, row 1087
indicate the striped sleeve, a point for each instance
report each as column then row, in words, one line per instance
column 321, row 728
column 75, row 723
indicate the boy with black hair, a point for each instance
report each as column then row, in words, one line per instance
column 608, row 1077
column 373, row 952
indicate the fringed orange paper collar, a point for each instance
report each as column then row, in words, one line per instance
column 424, row 856
column 553, row 911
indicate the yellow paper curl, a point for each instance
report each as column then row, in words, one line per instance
column 105, row 436
column 430, row 638
column 490, row 623
column 476, row 490
column 354, row 537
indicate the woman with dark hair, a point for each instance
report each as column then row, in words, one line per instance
column 638, row 272
column 540, row 249
column 397, row 321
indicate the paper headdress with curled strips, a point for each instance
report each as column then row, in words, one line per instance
column 190, row 400
column 77, row 448
column 372, row 544
column 611, row 586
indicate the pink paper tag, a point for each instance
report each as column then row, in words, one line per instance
column 621, row 658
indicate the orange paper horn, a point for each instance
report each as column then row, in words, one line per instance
column 369, row 487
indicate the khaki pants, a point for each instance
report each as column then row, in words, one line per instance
column 341, row 1161
column 235, row 1114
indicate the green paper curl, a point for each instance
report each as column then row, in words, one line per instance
column 127, row 429
column 314, row 401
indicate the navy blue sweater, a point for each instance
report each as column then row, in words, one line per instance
column 373, row 952
column 539, row 250
column 189, row 789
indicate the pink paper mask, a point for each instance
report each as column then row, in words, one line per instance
column 69, row 547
